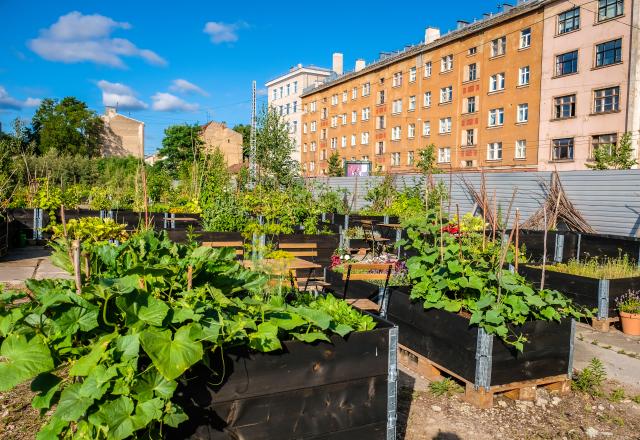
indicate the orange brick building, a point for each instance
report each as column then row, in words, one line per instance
column 473, row 93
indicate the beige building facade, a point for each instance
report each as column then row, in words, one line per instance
column 588, row 98
column 218, row 135
column 123, row 136
column 283, row 94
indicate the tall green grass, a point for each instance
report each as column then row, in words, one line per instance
column 607, row 268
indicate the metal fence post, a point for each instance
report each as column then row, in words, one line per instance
column 392, row 384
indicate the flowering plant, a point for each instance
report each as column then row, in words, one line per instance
column 629, row 302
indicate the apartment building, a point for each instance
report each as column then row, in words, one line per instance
column 218, row 135
column 284, row 95
column 122, row 136
column 589, row 94
column 485, row 94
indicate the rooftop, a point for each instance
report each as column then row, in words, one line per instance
column 299, row 69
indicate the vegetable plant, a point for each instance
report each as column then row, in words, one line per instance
column 106, row 362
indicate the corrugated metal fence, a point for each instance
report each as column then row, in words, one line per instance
column 608, row 200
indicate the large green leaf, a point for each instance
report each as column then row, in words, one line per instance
column 77, row 318
column 153, row 383
column 46, row 385
column 23, row 359
column 73, row 404
column 87, row 363
column 171, row 355
column 116, row 415
column 142, row 307
column 266, row 338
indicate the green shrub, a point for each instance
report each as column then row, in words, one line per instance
column 590, row 379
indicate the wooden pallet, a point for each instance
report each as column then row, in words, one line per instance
column 482, row 397
column 603, row 325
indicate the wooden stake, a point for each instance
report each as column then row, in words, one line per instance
column 64, row 221
column 459, row 233
column 484, row 220
column 517, row 226
column 189, row 277
column 495, row 215
column 544, row 246
column 75, row 250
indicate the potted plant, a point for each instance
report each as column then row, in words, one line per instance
column 629, row 309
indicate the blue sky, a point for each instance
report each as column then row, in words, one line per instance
column 174, row 62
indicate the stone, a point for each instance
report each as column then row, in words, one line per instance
column 502, row 403
column 591, row 432
column 541, row 402
column 436, row 408
column 600, row 407
column 555, row 401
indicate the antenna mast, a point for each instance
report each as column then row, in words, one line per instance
column 252, row 142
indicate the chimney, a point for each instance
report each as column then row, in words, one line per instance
column 431, row 34
column 462, row 24
column 506, row 7
column 486, row 15
column 337, row 65
column 110, row 111
column 360, row 64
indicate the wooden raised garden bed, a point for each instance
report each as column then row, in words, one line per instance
column 434, row 342
column 590, row 292
column 357, row 289
column 342, row 390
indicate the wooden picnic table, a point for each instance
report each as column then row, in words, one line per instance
column 391, row 225
column 281, row 265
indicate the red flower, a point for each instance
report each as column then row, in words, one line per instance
column 451, row 229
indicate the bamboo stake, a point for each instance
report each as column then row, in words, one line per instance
column 459, row 233
column 484, row 221
column 517, row 227
column 544, row 246
column 75, row 250
column 64, row 221
column 495, row 216
column 441, row 227
column 189, row 277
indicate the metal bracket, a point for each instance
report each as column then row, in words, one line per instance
column 578, row 247
column 385, row 219
column 392, row 384
column 398, row 238
column 164, row 221
column 484, row 350
column 383, row 300
column 557, row 257
column 346, row 222
column 37, row 223
column 603, row 299
column 571, row 347
column 324, row 217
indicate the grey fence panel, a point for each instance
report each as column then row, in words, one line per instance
column 608, row 200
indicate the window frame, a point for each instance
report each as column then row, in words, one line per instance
column 601, row 55
column 570, row 147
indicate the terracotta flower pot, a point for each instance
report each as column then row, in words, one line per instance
column 630, row 323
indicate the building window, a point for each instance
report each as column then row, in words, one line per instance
column 496, row 82
column 325, row 113
column 288, row 89
column 313, row 146
column 396, row 133
column 312, row 166
column 344, row 119
column 334, row 99
column 295, row 87
column 397, row 79
column 304, row 148
column 444, row 155
column 396, row 106
column 304, row 128
column 354, row 117
column 445, row 125
column 380, row 148
column 524, row 76
column 412, row 74
column 343, row 142
column 427, row 69
column 496, row 117
column 353, row 140
column 607, row 141
column 446, row 63
column 521, row 149
column 426, row 128
column 523, row 113
column 366, row 89
column 323, row 155
column 294, row 129
column 472, row 51
column 471, row 104
column 411, row 131
column 569, row 21
column 354, row 93
column 410, row 158
column 380, row 122
column 323, row 134
column 473, row 72
column 563, row 149
column 314, row 126
column 381, row 97
column 427, row 99
column 334, row 143
column 275, row 94
column 609, row 53
column 412, row 103
column 525, row 38
column 567, row 63
column 345, row 96
column 395, row 159
column 446, row 94
column 606, row 100
column 365, row 113
column 313, row 107
column 610, row 9
column 498, row 46
column 494, row 151
column 334, row 121
column 364, row 138
column 564, row 107
column 470, row 137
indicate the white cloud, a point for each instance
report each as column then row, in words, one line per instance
column 261, row 92
column 184, row 86
column 223, row 32
column 75, row 38
column 166, row 102
column 120, row 96
column 7, row 102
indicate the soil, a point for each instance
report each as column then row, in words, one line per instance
column 423, row 416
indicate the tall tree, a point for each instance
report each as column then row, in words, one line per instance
column 245, row 131
column 274, row 148
column 68, row 127
column 617, row 156
column 181, row 146
column 335, row 168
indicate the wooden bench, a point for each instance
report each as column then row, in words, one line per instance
column 237, row 245
column 383, row 274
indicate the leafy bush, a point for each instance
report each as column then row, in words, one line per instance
column 608, row 268
column 629, row 302
column 445, row 387
column 461, row 272
column 590, row 379
column 106, row 362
